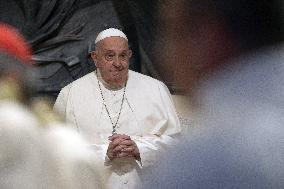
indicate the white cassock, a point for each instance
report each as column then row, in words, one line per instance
column 147, row 115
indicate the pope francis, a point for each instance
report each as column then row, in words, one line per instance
column 126, row 117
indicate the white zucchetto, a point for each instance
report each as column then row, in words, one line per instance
column 110, row 32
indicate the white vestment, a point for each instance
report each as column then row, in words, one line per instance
column 147, row 115
column 33, row 156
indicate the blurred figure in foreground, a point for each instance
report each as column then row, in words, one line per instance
column 228, row 58
column 35, row 152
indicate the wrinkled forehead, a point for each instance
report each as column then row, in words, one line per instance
column 112, row 43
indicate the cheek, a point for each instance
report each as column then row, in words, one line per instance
column 99, row 64
column 103, row 65
column 125, row 63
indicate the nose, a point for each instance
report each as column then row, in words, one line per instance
column 116, row 62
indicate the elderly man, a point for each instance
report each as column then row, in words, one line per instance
column 126, row 116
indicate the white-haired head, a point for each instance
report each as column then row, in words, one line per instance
column 110, row 32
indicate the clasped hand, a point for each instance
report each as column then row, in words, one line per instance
column 122, row 146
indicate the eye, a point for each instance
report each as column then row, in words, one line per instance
column 123, row 56
column 109, row 57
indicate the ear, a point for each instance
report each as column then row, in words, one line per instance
column 129, row 53
column 94, row 57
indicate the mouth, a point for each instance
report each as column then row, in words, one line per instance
column 116, row 74
column 118, row 71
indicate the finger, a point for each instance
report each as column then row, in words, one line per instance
column 110, row 153
column 126, row 137
column 128, row 149
column 114, row 136
column 119, row 136
column 128, row 143
column 114, row 144
column 120, row 140
column 124, row 154
column 119, row 148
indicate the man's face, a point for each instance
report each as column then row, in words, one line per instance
column 112, row 59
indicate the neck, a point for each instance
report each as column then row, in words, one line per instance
column 106, row 84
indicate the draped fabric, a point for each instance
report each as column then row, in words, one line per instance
column 62, row 34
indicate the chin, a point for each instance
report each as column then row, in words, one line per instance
column 120, row 82
column 117, row 85
column 117, row 82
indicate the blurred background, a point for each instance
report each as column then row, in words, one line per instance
column 61, row 34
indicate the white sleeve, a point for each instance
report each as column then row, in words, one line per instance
column 61, row 102
column 162, row 136
column 173, row 124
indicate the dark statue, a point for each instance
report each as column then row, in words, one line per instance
column 62, row 32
